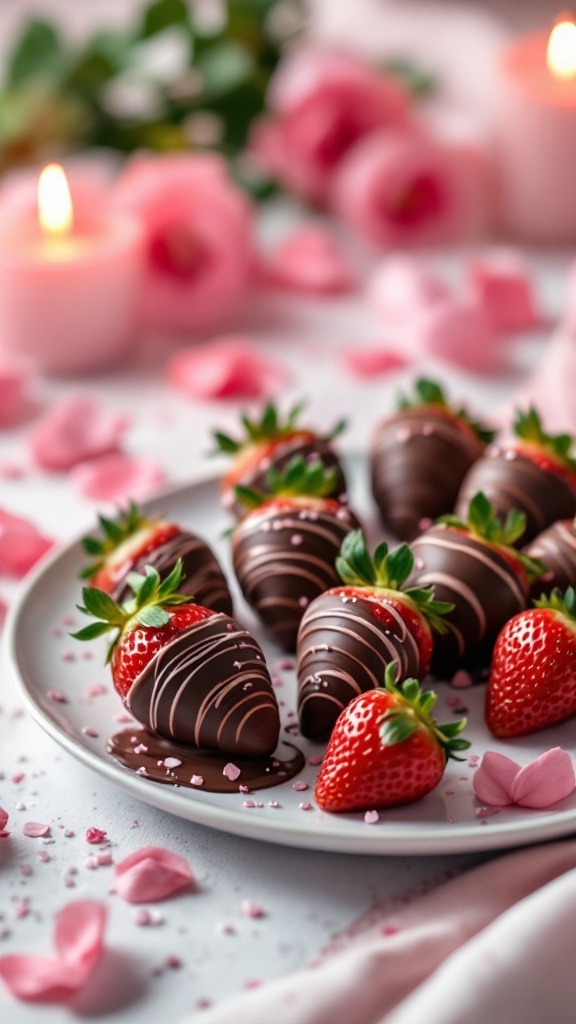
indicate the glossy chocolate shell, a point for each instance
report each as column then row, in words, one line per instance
column 556, row 549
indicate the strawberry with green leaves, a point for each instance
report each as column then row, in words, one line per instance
column 532, row 682
column 537, row 475
column 272, row 442
column 472, row 563
column 353, row 631
column 419, row 457
column 284, row 550
column 133, row 540
column 185, row 672
column 386, row 749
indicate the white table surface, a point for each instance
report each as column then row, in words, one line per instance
column 307, row 897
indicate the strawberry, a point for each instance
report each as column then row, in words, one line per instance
column 132, row 541
column 386, row 749
column 186, row 672
column 272, row 442
column 556, row 550
column 536, row 475
column 284, row 550
column 532, row 680
column 350, row 633
column 419, row 457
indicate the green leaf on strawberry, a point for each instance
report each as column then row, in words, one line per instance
column 114, row 533
column 429, row 392
column 269, row 427
column 298, row 479
column 482, row 522
column 559, row 602
column 414, row 710
column 528, row 427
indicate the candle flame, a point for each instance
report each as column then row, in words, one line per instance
column 55, row 211
column 561, row 53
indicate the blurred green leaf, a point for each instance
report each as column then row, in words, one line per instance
column 39, row 53
column 224, row 67
column 418, row 81
column 106, row 55
column 162, row 14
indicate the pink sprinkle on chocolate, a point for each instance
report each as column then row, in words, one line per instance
column 197, row 780
column 95, row 835
column 244, row 789
column 250, row 909
column 425, row 523
column 303, row 602
column 299, row 785
column 371, row 817
column 231, row 771
column 57, row 696
column 296, row 539
column 89, row 731
column 35, row 830
column 305, row 806
column 172, row 762
column 142, row 771
column 141, row 749
column 316, row 759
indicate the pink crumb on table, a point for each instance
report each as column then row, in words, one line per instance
column 57, row 696
column 250, row 909
column 461, row 680
column 95, row 835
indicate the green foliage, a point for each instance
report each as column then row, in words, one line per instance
column 528, row 427
column 269, row 426
column 559, row 602
column 429, row 392
column 482, row 522
column 413, row 712
column 38, row 54
column 113, row 533
column 298, row 479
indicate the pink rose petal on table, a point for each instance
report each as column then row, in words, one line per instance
column 502, row 282
column 21, row 545
column 3, row 822
column 400, row 287
column 151, row 874
column 373, row 361
column 78, row 941
column 117, row 476
column 544, row 781
column 457, row 331
column 494, row 778
column 225, row 368
column 35, row 829
column 14, row 402
column 76, row 429
column 311, row 260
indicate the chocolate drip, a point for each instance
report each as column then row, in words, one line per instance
column 479, row 581
column 312, row 451
column 556, row 549
column 208, row 765
column 209, row 687
column 344, row 645
column 203, row 577
column 509, row 480
column 418, row 461
column 284, row 558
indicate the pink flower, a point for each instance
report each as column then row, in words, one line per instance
column 322, row 103
column 199, row 238
column 21, row 545
column 405, row 188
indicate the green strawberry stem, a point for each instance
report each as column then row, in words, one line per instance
column 528, row 427
column 415, row 710
column 559, row 602
column 269, row 427
column 299, row 478
column 483, row 523
column 146, row 608
column 114, row 532
column 388, row 570
column 429, row 392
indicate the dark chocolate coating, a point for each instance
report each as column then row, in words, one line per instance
column 556, row 549
column 209, row 687
column 418, row 460
column 203, row 577
column 481, row 584
column 284, row 558
column 285, row 451
column 510, row 480
column 343, row 650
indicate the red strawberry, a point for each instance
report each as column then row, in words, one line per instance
column 532, row 680
column 350, row 633
column 386, row 749
column 132, row 541
column 268, row 442
column 536, row 475
column 186, row 672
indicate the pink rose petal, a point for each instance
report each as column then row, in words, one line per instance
column 116, row 477
column 34, row 829
column 21, row 545
column 372, row 361
column 78, row 940
column 3, row 822
column 400, row 288
column 544, row 781
column 502, row 282
column 459, row 332
column 226, row 368
column 14, row 401
column 311, row 260
column 150, row 874
column 76, row 429
column 231, row 771
column 494, row 778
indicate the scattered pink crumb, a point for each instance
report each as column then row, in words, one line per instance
column 35, row 830
column 231, row 771
column 249, row 803
column 244, row 789
column 25, row 869
column 142, row 917
column 141, row 749
column 486, row 812
column 104, row 858
column 305, row 805
column 284, row 665
column 197, row 780
column 57, row 696
column 67, row 656
column 17, row 777
column 461, row 680
column 22, row 909
column 252, row 983
column 172, row 762
column 250, row 909
column 91, row 863
column 97, row 689
column 274, row 804
column 122, row 717
column 316, row 759
column 43, row 856
column 371, row 817
column 95, row 835
column 68, row 833
column 173, row 962
column 89, row 731
column 299, row 785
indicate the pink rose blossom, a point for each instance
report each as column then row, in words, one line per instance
column 21, row 545
column 225, row 368
column 322, row 102
column 406, row 188
column 199, row 238
column 74, row 430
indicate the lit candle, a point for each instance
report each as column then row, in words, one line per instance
column 536, row 136
column 70, row 278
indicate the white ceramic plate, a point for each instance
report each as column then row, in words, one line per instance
column 44, row 658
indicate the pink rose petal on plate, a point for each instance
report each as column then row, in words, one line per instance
column 311, row 260
column 14, row 401
column 151, row 874
column 544, row 781
column 76, row 429
column 21, row 545
column 373, row 361
column 502, row 282
column 78, row 940
column 35, row 829
column 226, row 368
column 494, row 778
column 116, row 476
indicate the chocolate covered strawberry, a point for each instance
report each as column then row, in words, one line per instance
column 186, row 672
column 351, row 633
column 532, row 682
column 386, row 749
column 419, row 457
column 471, row 563
column 555, row 548
column 537, row 475
column 273, row 442
column 132, row 541
column 284, row 551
